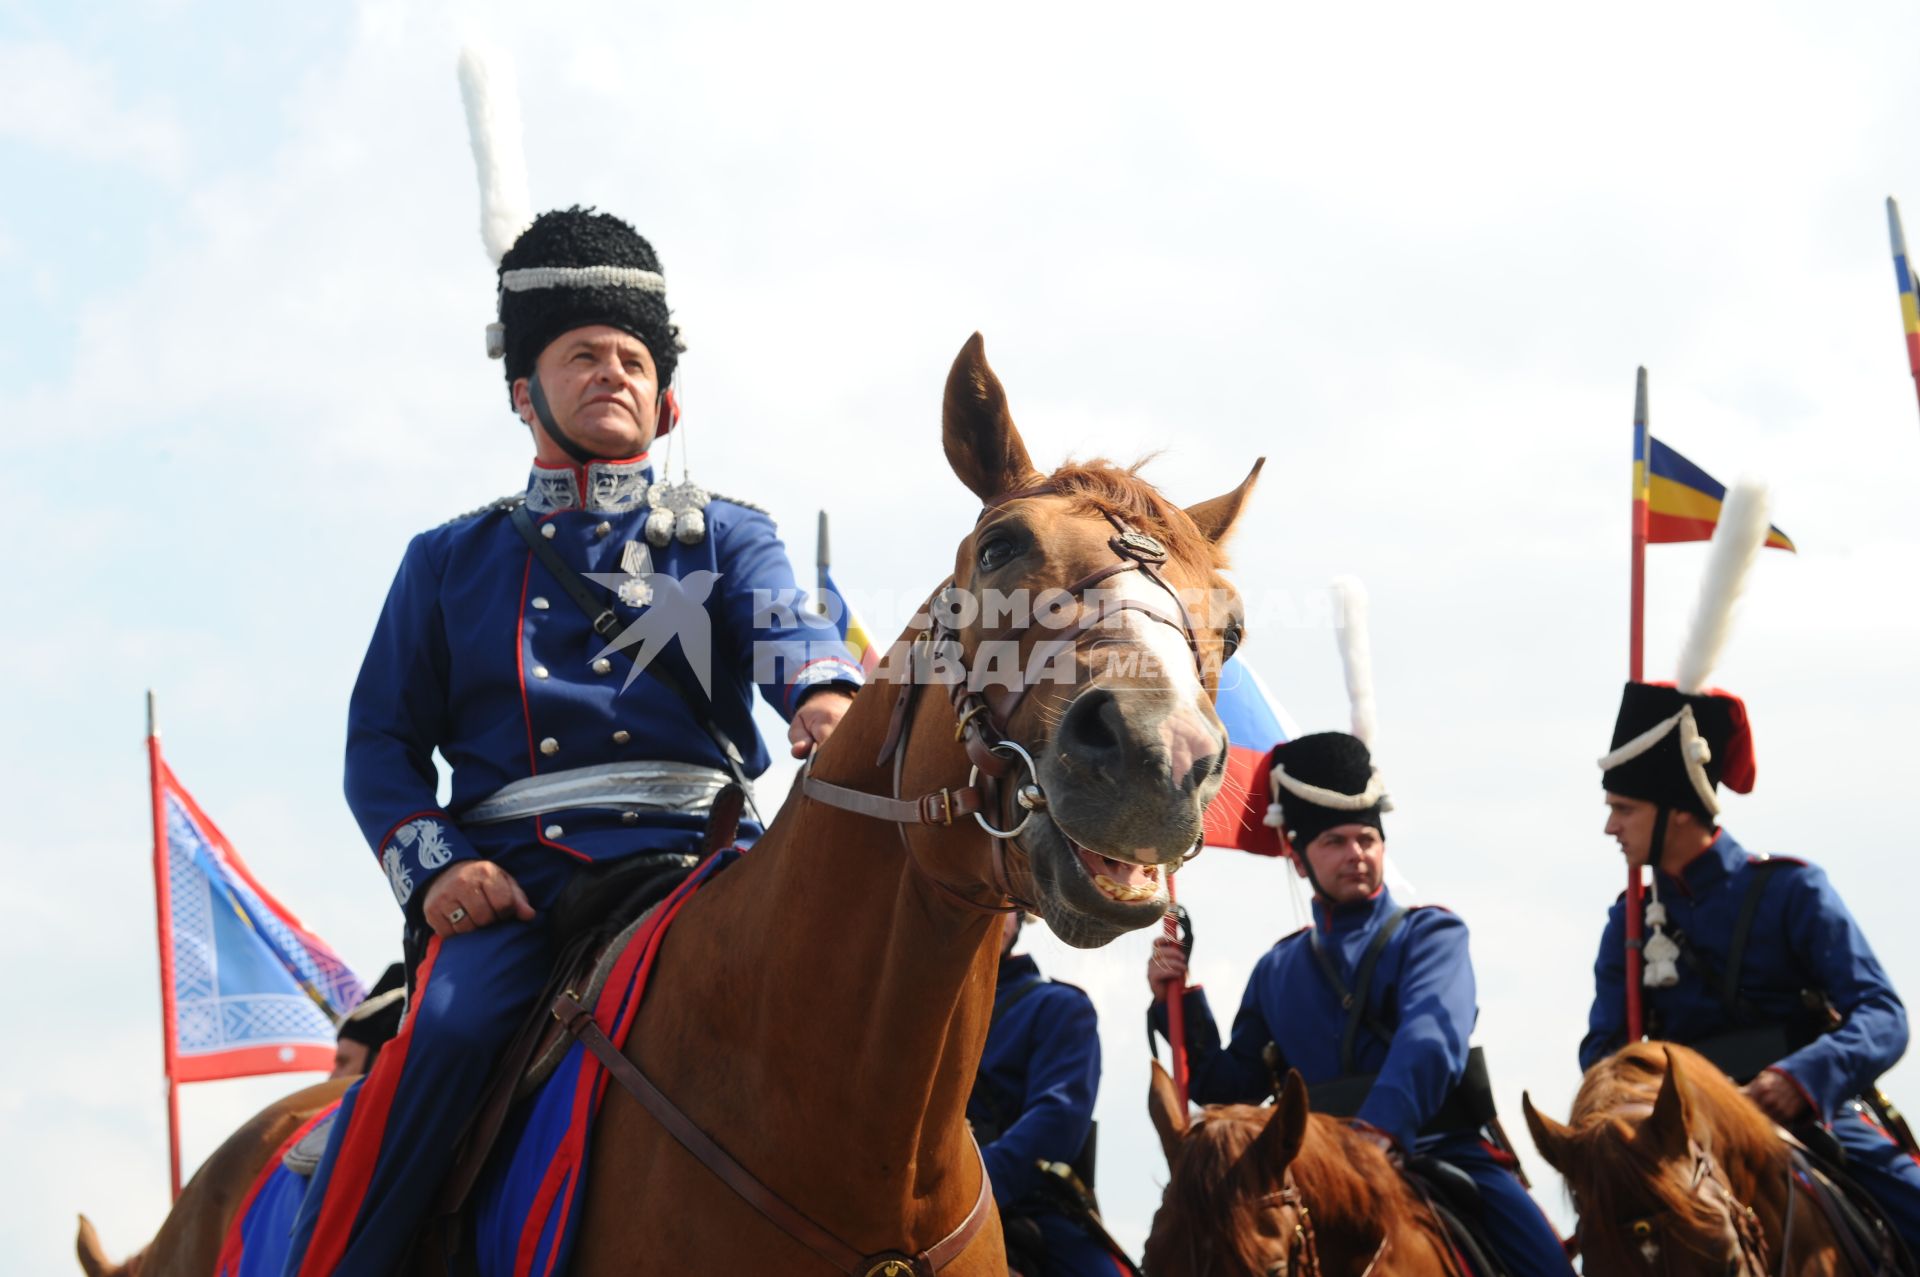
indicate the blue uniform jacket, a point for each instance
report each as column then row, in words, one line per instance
column 1043, row 1060
column 1423, row 988
column 480, row 654
column 1802, row 937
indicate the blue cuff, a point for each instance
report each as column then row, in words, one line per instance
column 828, row 669
column 418, row 849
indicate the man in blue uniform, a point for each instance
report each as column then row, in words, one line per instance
column 1774, row 980
column 1032, row 1109
column 573, row 739
column 1373, row 1003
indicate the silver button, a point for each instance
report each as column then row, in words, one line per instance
column 539, row 671
column 629, row 817
column 603, row 666
column 622, row 736
column 546, row 530
column 539, row 603
column 549, row 746
column 554, row 831
column 603, row 529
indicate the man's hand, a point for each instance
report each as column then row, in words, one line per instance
column 815, row 720
column 1776, row 1096
column 471, row 895
column 1166, row 967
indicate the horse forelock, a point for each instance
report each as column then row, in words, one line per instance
column 1099, row 486
column 1617, row 1176
column 1213, row 1174
column 1339, row 1175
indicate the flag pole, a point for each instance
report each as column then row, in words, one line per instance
column 1636, row 668
column 1903, row 275
column 1176, row 1008
column 822, row 560
column 163, row 916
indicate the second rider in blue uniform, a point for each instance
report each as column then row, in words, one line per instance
column 1412, row 1041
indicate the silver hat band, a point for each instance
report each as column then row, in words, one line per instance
column 532, row 277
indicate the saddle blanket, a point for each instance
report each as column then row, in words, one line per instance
column 527, row 1205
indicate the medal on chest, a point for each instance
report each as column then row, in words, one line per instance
column 636, row 562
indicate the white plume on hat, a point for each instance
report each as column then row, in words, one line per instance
column 1356, row 654
column 492, row 99
column 1737, row 540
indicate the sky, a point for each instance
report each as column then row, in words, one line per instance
column 1412, row 254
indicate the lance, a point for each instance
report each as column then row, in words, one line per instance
column 1903, row 276
column 1636, row 650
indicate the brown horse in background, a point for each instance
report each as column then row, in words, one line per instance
column 1674, row 1171
column 1281, row 1192
column 819, row 1010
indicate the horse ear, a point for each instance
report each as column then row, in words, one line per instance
column 1216, row 518
column 982, row 443
column 1671, row 1124
column 1168, row 1113
column 1549, row 1136
column 1280, row 1139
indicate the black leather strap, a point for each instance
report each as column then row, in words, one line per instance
column 1354, row 1000
column 1763, row 871
column 606, row 623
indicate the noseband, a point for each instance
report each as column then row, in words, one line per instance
column 982, row 709
column 1709, row 1183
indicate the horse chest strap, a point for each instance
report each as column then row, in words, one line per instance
column 788, row 1219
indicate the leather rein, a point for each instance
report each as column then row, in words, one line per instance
column 982, row 711
column 979, row 715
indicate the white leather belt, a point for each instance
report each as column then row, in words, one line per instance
column 679, row 788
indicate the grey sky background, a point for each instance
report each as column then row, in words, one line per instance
column 1411, row 254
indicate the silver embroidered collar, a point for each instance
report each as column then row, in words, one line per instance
column 610, row 487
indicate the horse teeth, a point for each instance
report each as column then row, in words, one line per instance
column 1124, row 893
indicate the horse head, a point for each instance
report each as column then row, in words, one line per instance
column 1232, row 1205
column 1079, row 640
column 1659, row 1160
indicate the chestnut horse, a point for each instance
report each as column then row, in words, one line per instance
column 819, row 1010
column 1674, row 1171
column 1281, row 1192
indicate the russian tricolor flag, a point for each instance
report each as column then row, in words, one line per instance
column 1255, row 723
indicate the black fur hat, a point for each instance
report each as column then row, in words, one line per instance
column 573, row 268
column 1320, row 781
column 1660, row 758
column 377, row 1019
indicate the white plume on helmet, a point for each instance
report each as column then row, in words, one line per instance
column 1356, row 654
column 492, row 98
column 1737, row 540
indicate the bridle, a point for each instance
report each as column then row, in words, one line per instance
column 983, row 708
column 1709, row 1182
column 1301, row 1258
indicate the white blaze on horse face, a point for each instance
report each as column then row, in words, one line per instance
column 1191, row 730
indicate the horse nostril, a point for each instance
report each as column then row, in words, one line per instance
column 1086, row 724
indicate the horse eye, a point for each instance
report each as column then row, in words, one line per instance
column 996, row 552
column 1230, row 639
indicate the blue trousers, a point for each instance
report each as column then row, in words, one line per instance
column 393, row 1141
column 1523, row 1239
column 1881, row 1167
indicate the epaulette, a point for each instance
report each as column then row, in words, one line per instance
column 1795, row 861
column 744, row 505
column 507, row 502
column 1291, row 935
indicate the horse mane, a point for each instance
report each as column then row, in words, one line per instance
column 1100, row 486
column 1619, row 1177
column 1340, row 1175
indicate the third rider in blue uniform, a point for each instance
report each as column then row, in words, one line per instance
column 1401, row 1068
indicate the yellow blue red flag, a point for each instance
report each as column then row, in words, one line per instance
column 1683, row 501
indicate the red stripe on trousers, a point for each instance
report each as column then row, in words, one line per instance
column 235, row 1243
column 360, row 1146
